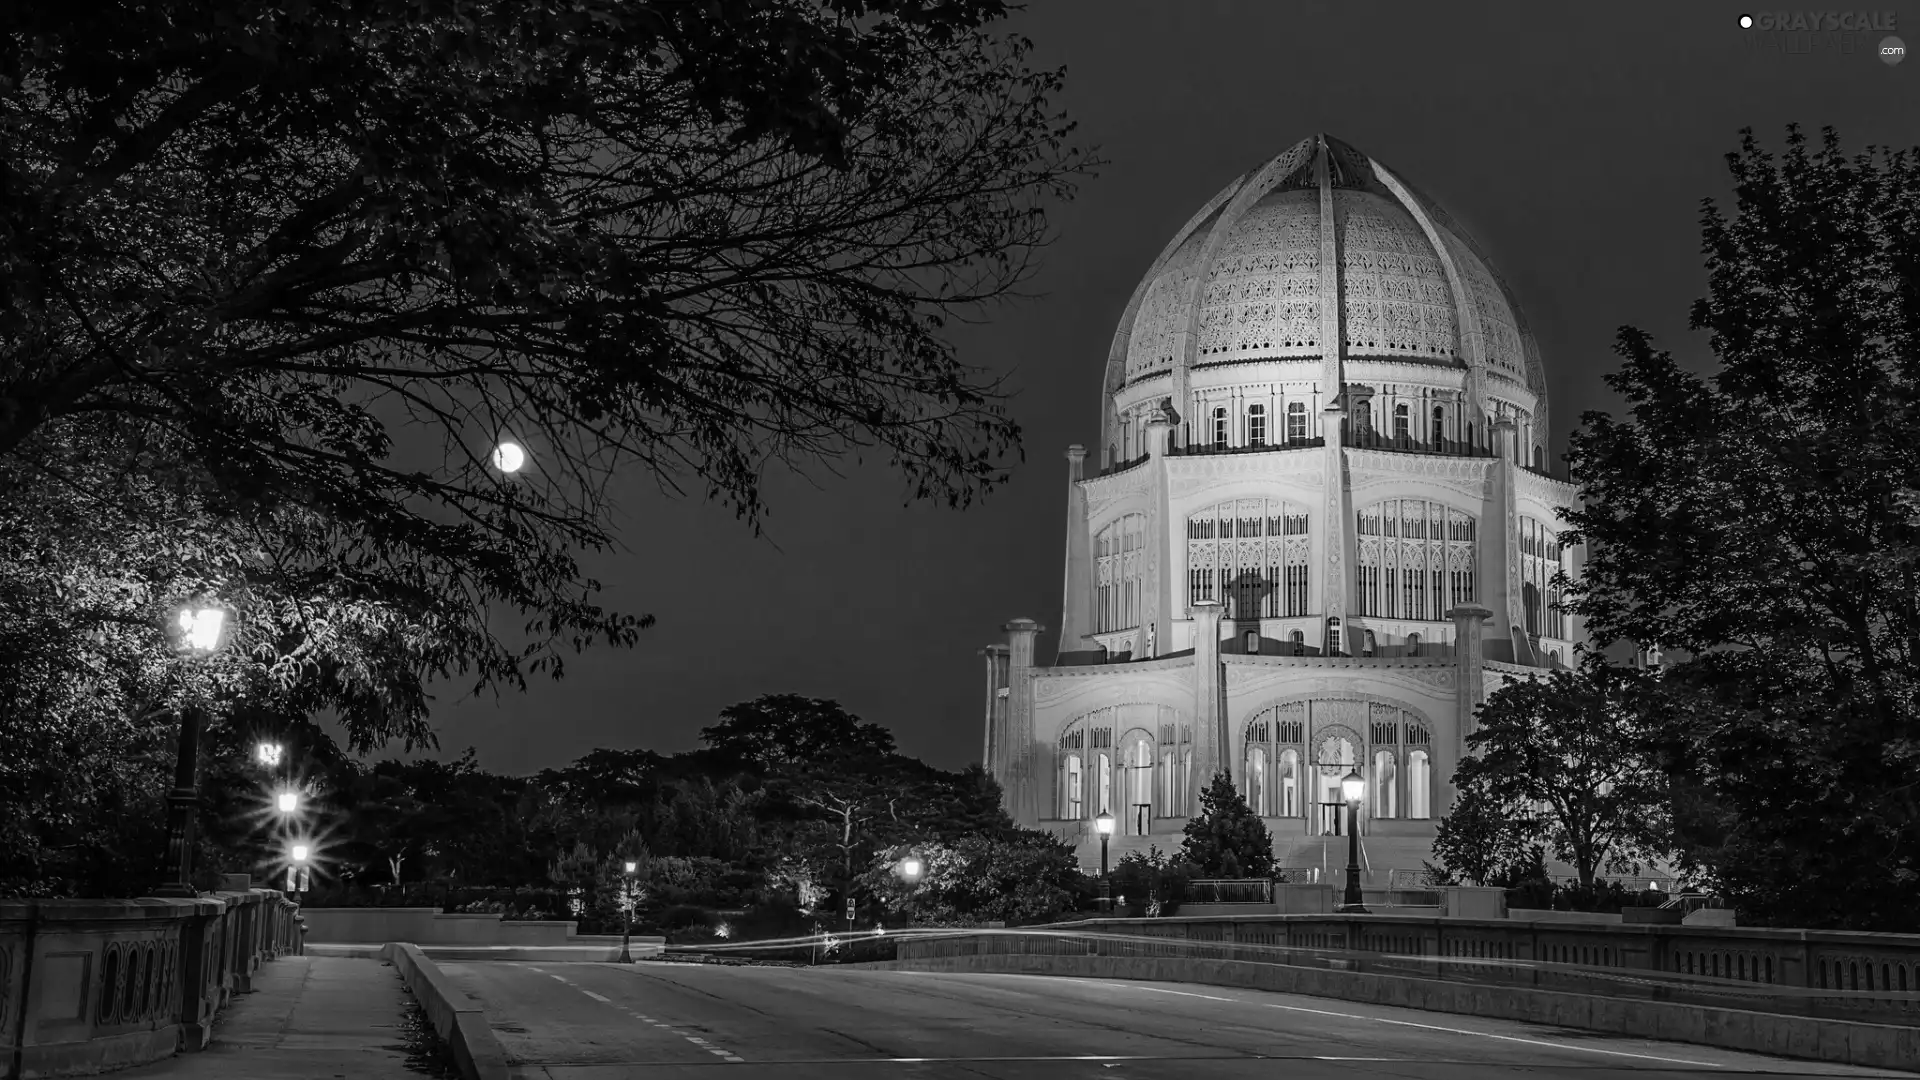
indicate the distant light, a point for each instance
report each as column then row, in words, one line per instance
column 910, row 868
column 288, row 801
column 1746, row 22
column 269, row 754
column 300, row 852
column 632, row 866
column 509, row 457
column 202, row 628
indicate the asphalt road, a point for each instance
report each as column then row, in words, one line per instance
column 665, row 1021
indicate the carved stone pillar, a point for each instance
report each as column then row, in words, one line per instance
column 1209, row 720
column 1469, row 682
column 1021, row 753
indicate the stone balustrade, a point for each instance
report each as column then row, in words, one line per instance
column 92, row 985
column 1862, row 973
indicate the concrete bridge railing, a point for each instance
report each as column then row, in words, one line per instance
column 92, row 985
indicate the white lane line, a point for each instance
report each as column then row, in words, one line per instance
column 542, row 971
column 1411, row 1024
column 597, row 997
column 668, row 1028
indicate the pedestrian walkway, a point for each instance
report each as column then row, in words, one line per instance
column 311, row 1017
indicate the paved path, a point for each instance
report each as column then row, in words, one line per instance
column 662, row 1021
column 308, row 1017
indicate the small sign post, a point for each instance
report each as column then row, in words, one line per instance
column 849, row 913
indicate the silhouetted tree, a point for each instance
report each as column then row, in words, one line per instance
column 1761, row 523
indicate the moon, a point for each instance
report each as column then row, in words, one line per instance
column 508, row 457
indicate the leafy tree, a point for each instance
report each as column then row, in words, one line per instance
column 1025, row 876
column 699, row 239
column 1227, row 839
column 1760, row 522
column 1562, row 762
column 1154, row 875
column 781, row 732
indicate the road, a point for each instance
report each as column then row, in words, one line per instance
column 666, row 1021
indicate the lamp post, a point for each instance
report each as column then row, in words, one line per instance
column 297, row 873
column 910, row 870
column 1353, row 786
column 1104, row 825
column 626, row 915
column 200, row 631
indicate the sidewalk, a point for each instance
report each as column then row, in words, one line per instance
column 308, row 1017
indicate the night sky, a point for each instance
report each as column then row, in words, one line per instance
column 1575, row 141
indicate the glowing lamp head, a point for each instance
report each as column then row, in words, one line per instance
column 202, row 628
column 1353, row 786
column 1104, row 823
column 300, row 852
column 268, row 753
column 632, row 866
column 287, row 801
column 508, row 457
column 910, row 868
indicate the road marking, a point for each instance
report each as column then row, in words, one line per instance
column 597, row 997
column 542, row 971
column 668, row 1028
column 1407, row 1023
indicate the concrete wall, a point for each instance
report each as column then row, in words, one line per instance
column 429, row 926
column 1873, row 1045
column 92, row 985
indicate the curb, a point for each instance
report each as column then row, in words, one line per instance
column 456, row 1017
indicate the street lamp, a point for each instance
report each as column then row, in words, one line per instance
column 268, row 753
column 200, row 631
column 287, row 801
column 297, row 873
column 910, row 868
column 626, row 915
column 1353, row 786
column 1104, row 825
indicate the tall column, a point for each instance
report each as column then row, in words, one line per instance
column 1336, row 534
column 1021, row 753
column 1157, row 612
column 1209, row 719
column 1502, row 592
column 1076, row 619
column 994, row 749
column 1469, row 682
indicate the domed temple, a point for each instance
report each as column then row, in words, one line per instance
column 1319, row 532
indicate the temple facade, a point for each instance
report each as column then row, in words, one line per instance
column 1317, row 531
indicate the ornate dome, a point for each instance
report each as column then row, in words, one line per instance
column 1242, row 281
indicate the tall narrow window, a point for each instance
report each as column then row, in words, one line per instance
column 1540, row 563
column 1299, row 643
column 1402, row 422
column 1289, row 783
column 1333, row 637
column 1296, row 421
column 1419, row 793
column 1366, row 649
column 1250, row 555
column 1386, row 783
column 1415, row 559
column 1413, row 644
column 1439, row 427
column 1259, row 798
column 1118, row 552
column 1220, row 429
column 1252, row 642
column 1256, row 425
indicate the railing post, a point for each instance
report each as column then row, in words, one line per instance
column 196, row 942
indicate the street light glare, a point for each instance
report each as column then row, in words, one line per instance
column 288, row 802
column 1104, row 823
column 300, row 852
column 911, row 868
column 269, row 754
column 509, row 457
column 631, row 867
column 201, row 628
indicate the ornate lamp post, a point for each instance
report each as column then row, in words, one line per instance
column 1353, row 786
column 1104, row 825
column 910, row 870
column 626, row 914
column 200, row 631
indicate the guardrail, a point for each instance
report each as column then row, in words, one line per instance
column 1229, row 891
column 91, row 985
